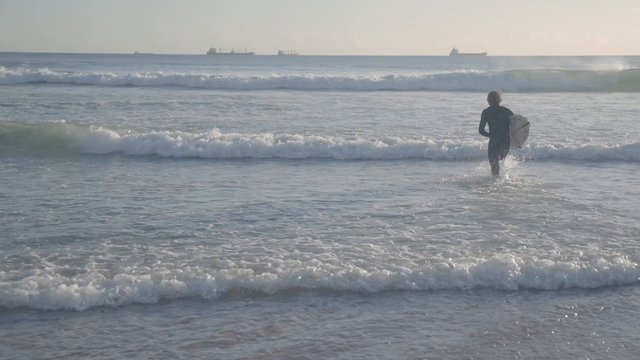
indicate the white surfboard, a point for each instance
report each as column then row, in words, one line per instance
column 518, row 130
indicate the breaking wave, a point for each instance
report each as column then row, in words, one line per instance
column 54, row 138
column 513, row 80
column 49, row 290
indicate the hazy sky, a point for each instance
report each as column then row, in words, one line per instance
column 367, row 27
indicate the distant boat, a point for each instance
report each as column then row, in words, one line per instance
column 288, row 53
column 214, row 51
column 456, row 52
column 141, row 53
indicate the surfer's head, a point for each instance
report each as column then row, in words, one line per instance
column 494, row 98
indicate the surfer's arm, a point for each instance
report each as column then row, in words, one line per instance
column 483, row 124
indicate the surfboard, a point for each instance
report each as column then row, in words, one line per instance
column 518, row 130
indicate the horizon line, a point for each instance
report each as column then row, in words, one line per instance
column 298, row 55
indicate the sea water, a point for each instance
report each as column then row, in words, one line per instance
column 303, row 207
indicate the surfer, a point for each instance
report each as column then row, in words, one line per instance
column 498, row 119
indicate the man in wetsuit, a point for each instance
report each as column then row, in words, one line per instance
column 498, row 119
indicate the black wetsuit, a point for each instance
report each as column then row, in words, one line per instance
column 498, row 119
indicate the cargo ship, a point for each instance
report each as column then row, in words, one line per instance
column 214, row 51
column 456, row 52
column 288, row 53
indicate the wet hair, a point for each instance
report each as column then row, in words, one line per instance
column 494, row 98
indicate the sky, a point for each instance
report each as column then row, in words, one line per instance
column 323, row 27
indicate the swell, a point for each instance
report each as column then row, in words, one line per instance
column 512, row 80
column 54, row 138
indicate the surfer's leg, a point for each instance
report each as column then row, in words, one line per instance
column 495, row 167
column 504, row 151
column 497, row 153
column 494, row 160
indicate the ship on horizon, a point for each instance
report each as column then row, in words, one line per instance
column 288, row 53
column 456, row 52
column 214, row 51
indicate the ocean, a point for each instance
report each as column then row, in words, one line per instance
column 316, row 207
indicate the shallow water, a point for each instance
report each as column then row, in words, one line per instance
column 475, row 324
column 148, row 213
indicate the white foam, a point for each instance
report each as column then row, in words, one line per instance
column 583, row 152
column 218, row 145
column 215, row 144
column 513, row 80
column 47, row 290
